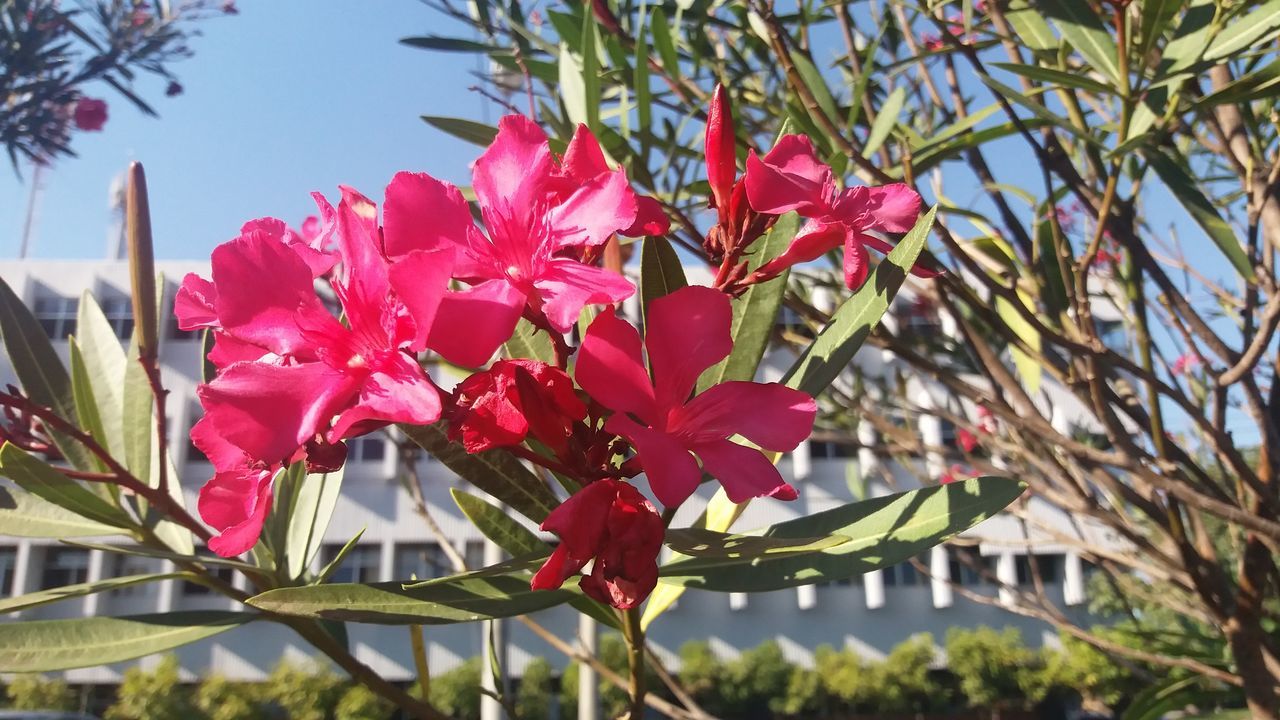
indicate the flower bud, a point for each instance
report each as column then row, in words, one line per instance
column 722, row 167
column 142, row 266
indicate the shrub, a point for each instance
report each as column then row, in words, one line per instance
column 152, row 694
column 757, row 681
column 361, row 703
column 994, row 668
column 217, row 698
column 36, row 692
column 901, row 682
column 304, row 691
column 456, row 693
column 533, row 696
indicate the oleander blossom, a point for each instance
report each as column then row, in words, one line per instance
column 89, row 114
column 610, row 524
column 542, row 218
column 512, row 400
column 687, row 332
column 236, row 501
column 791, row 177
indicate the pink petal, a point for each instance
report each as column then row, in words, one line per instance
column 397, row 392
column 856, row 262
column 583, row 159
column 264, row 291
column 672, row 473
column 420, row 280
column 651, row 219
column 221, row 454
column 770, row 415
column 473, row 323
column 364, row 269
column 610, row 369
column 744, row 472
column 194, row 302
column 598, row 209
column 227, row 350
column 236, row 503
column 319, row 262
column 894, row 208
column 687, row 332
column 815, row 239
column 558, row 568
column 510, row 174
column 790, row 177
column 270, row 410
column 422, row 213
column 566, row 286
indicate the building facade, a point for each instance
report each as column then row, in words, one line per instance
column 871, row 613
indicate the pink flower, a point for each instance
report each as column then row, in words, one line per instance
column 955, row 473
column 174, row 89
column 90, row 114
column 610, row 522
column 686, row 333
column 236, row 501
column 790, row 177
column 721, row 150
column 512, row 400
column 987, row 423
column 1184, row 364
column 967, row 440
column 229, row 7
column 539, row 221
column 932, row 42
column 315, row 379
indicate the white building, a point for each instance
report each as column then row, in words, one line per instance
column 871, row 614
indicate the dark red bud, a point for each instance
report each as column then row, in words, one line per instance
column 722, row 164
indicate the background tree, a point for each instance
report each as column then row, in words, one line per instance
column 29, row 691
column 155, row 694
column 217, row 698
column 303, row 690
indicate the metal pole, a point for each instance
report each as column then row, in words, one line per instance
column 588, row 682
column 33, row 204
column 495, row 640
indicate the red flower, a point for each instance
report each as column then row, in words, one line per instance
column 610, row 522
column 236, row 501
column 722, row 159
column 966, row 439
column 686, row 333
column 511, row 400
column 90, row 114
column 955, row 473
column 791, row 177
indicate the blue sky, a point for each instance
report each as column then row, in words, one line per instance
column 287, row 97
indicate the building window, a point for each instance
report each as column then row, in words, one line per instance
column 57, row 315
column 119, row 312
column 967, row 566
column 421, row 561
column 361, row 565
column 8, row 563
column 1049, row 566
column 126, row 565
column 191, row 589
column 194, row 453
column 367, row 448
column 832, row 449
column 64, row 566
column 473, row 554
column 904, row 574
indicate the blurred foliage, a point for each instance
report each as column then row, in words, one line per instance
column 155, row 694
column 29, row 691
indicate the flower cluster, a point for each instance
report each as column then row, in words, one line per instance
column 318, row 337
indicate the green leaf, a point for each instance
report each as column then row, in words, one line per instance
column 459, row 599
column 1028, row 368
column 755, row 313
column 505, row 531
column 66, row 592
column 727, row 548
column 149, row 552
column 833, row 349
column 886, row 120
column 496, row 472
column 660, row 271
column 1081, row 27
column 104, row 361
column 138, row 426
column 1245, row 32
column 38, row 478
column 315, row 499
column 882, row 531
column 46, row 645
column 327, row 571
column 1029, row 26
column 1172, row 170
column 573, row 91
column 590, row 73
column 663, row 43
column 720, row 514
column 1190, row 39
column 817, row 85
column 24, row 514
column 86, row 405
column 1156, row 16
column 529, row 342
column 1259, row 84
column 446, row 44
column 1057, row 77
column 40, row 372
column 468, row 130
column 644, row 95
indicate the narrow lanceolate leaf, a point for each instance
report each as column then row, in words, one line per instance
column 590, row 73
column 573, row 91
column 660, row 271
column 23, row 514
column 53, row 595
column 1261, row 83
column 40, row 372
column 1245, row 31
column 817, row 85
column 1173, row 171
column 1029, row 26
column 882, row 531
column 447, row 44
column 460, row 599
column 755, row 313
column 468, row 130
column 1058, row 78
column 833, row 349
column 725, row 548
column 86, row 405
column 315, row 499
column 104, row 362
column 496, row 472
column 505, row 531
column 1156, row 16
column 663, row 43
column 47, row 645
column 530, row 342
column 38, row 478
column 1025, row 363
column 144, row 551
column 1080, row 25
column 885, row 121
column 138, row 428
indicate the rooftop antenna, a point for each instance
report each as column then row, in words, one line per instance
column 33, row 210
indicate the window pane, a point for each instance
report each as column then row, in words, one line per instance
column 423, row 561
column 64, row 566
column 8, row 560
column 359, row 566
